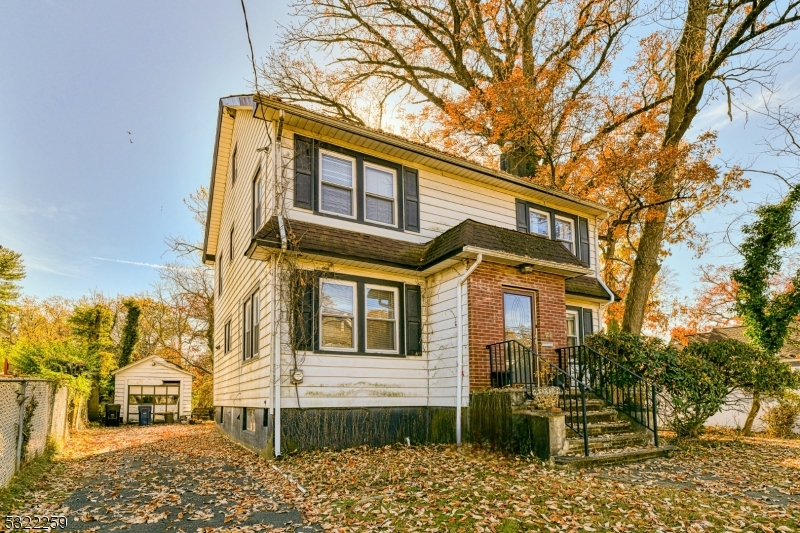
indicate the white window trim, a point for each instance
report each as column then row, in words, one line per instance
column 396, row 319
column 393, row 199
column 577, row 335
column 545, row 214
column 354, row 286
column 571, row 225
column 353, row 173
column 255, row 319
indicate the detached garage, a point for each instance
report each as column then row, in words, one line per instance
column 156, row 382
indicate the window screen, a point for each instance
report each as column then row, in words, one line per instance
column 381, row 319
column 379, row 189
column 565, row 232
column 337, row 185
column 540, row 223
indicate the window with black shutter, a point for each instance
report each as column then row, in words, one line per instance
column 411, row 199
column 356, row 315
column 571, row 230
column 338, row 182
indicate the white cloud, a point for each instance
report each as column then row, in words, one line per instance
column 139, row 263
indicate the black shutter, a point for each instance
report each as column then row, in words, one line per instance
column 413, row 320
column 304, row 317
column 587, row 323
column 522, row 217
column 583, row 241
column 303, row 173
column 411, row 199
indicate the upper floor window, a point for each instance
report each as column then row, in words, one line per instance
column 230, row 247
column 258, row 195
column 565, row 232
column 570, row 230
column 379, row 190
column 219, row 278
column 539, row 222
column 337, row 183
column 233, row 165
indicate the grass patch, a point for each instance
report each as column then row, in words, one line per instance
column 26, row 479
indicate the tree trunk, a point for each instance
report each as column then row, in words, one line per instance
column 689, row 64
column 751, row 416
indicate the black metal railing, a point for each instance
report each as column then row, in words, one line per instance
column 511, row 364
column 625, row 390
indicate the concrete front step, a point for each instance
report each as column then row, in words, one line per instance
column 609, row 442
column 617, row 458
column 609, row 428
column 603, row 415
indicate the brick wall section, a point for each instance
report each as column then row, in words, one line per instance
column 49, row 419
column 485, row 297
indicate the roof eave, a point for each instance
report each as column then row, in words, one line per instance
column 595, row 208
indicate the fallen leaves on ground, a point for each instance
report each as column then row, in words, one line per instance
column 159, row 478
column 190, row 478
column 719, row 483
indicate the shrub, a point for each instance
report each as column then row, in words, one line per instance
column 692, row 386
column 782, row 418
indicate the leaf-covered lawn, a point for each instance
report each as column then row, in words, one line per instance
column 721, row 483
column 188, row 478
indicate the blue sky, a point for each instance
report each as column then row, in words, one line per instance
column 79, row 194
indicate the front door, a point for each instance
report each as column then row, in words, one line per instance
column 518, row 317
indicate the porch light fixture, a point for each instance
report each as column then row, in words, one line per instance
column 526, row 268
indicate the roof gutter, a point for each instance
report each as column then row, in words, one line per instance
column 460, row 344
column 611, row 300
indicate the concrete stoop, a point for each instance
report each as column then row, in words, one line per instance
column 614, row 458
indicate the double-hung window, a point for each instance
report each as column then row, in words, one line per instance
column 379, row 191
column 573, row 338
column 565, row 232
column 230, row 247
column 257, row 199
column 338, row 315
column 227, row 334
column 381, row 319
column 337, row 184
column 539, row 222
column 250, row 330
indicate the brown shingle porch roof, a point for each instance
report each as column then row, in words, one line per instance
column 335, row 242
column 587, row 286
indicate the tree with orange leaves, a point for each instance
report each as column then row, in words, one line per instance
column 531, row 80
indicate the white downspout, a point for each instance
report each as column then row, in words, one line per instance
column 597, row 271
column 276, row 357
column 460, row 344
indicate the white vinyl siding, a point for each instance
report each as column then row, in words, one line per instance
column 239, row 383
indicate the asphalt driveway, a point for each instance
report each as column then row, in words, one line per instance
column 160, row 478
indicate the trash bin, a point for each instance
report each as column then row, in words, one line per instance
column 112, row 414
column 169, row 418
column 145, row 412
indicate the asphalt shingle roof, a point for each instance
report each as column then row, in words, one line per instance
column 325, row 240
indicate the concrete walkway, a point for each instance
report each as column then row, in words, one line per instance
column 160, row 478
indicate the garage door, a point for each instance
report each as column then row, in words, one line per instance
column 163, row 398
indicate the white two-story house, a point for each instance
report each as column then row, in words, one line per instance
column 360, row 278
